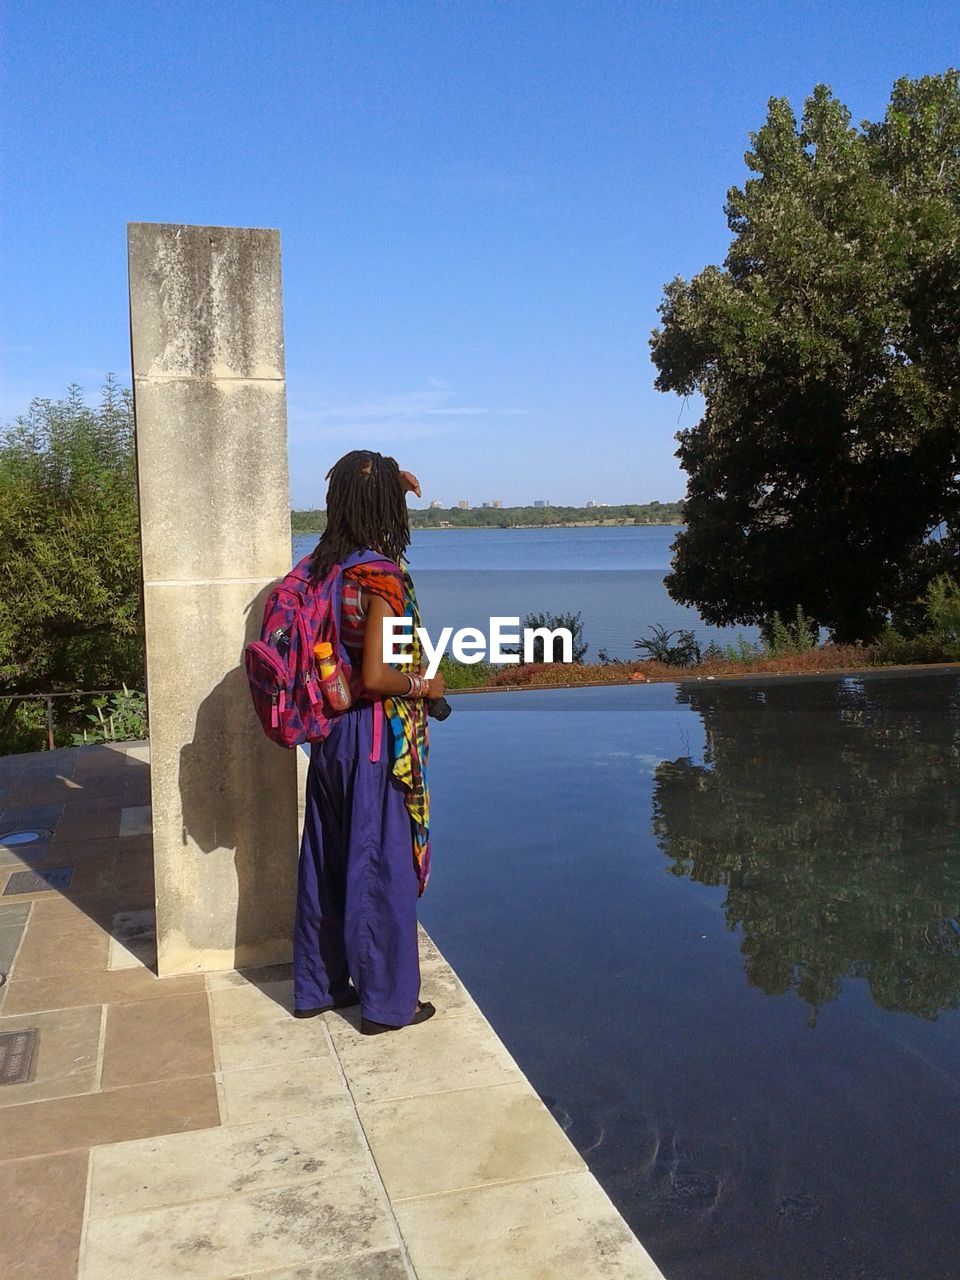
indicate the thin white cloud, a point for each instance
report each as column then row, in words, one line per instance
column 402, row 416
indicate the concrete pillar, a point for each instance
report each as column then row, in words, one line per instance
column 206, row 328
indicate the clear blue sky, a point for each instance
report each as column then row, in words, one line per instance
column 479, row 203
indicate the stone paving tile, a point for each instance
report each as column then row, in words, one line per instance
column 252, row 1002
column 13, row 913
column 85, row 822
column 13, row 918
column 18, row 817
column 224, row 978
column 247, row 1231
column 444, row 1053
column 47, row 763
column 256, row 1044
column 95, row 986
column 42, row 1202
column 101, row 765
column 385, row 1265
column 115, row 1115
column 561, row 1227
column 429, row 951
column 465, row 1139
column 136, row 820
column 157, row 1039
column 98, row 847
column 280, row 1089
column 11, row 767
column 55, row 790
column 114, row 881
column 438, row 982
column 18, row 857
column 441, row 986
column 84, row 802
column 133, row 940
column 64, row 1059
column 156, row 1173
column 61, row 940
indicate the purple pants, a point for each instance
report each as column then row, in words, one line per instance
column 357, row 883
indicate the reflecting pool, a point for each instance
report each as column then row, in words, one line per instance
column 716, row 923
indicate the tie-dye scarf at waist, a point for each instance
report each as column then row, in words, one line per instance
column 406, row 717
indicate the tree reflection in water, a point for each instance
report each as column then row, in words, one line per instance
column 830, row 812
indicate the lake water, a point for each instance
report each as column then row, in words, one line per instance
column 612, row 576
column 717, row 926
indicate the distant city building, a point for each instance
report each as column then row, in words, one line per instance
column 497, row 502
column 592, row 503
column 485, row 506
column 436, row 505
column 463, row 504
column 541, row 502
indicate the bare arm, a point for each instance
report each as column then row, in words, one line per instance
column 379, row 676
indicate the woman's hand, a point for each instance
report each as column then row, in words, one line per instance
column 436, row 686
column 410, row 482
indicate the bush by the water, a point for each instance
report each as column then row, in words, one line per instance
column 938, row 638
column 70, row 614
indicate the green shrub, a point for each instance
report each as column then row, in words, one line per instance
column 673, row 648
column 70, row 547
column 942, row 608
column 744, row 651
column 571, row 621
column 116, row 717
column 24, row 727
column 783, row 639
column 892, row 646
column 464, row 675
column 938, row 640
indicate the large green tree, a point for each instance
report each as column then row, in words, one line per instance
column 824, row 470
column 70, row 615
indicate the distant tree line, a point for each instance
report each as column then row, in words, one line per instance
column 513, row 517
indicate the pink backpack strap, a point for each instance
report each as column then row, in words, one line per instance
column 377, row 709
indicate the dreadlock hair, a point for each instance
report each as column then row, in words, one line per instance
column 365, row 508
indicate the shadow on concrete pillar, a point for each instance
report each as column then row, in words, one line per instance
column 209, row 399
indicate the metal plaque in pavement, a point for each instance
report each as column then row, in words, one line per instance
column 36, row 881
column 16, row 1055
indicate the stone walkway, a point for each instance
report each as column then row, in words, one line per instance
column 191, row 1127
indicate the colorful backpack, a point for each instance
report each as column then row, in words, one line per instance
column 287, row 693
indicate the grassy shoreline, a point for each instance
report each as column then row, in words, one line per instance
column 501, row 528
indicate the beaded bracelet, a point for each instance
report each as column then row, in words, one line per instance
column 417, row 685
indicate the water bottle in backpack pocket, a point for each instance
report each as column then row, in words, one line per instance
column 333, row 684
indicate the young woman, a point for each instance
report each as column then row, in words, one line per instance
column 365, row 854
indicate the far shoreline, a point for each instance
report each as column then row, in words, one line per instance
column 503, row 528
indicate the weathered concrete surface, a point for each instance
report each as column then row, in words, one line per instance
column 208, row 302
column 209, row 397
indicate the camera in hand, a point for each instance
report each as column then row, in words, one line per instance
column 438, row 708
